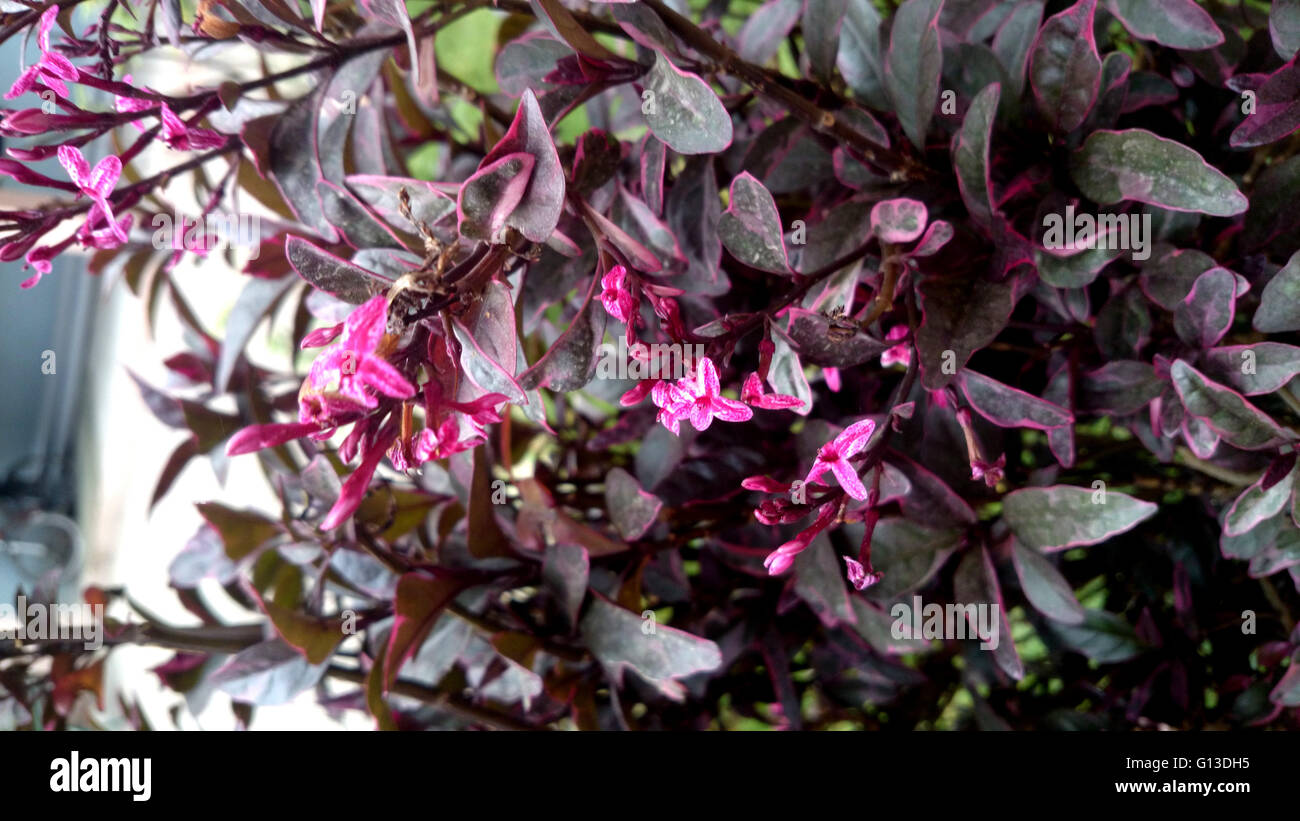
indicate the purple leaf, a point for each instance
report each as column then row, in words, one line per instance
column 913, row 65
column 489, row 344
column 932, row 501
column 960, row 315
column 643, row 25
column 1277, row 109
column 898, row 220
column 1008, row 407
column 1064, row 67
column 1207, row 313
column 654, row 157
column 382, row 195
column 1257, row 503
column 1169, row 278
column 1076, row 271
column 1119, row 388
column 860, row 59
column 570, row 363
column 522, row 62
column 344, row 93
column 1061, row 516
column 539, row 211
column 490, row 196
column 1224, row 411
column 566, row 27
column 694, row 209
column 1015, row 39
column 266, row 674
column 1060, row 441
column 1287, row 691
column 766, row 29
column 976, row 582
column 566, row 569
column 638, row 255
column 1180, row 24
column 632, row 509
column 419, row 603
column 1272, row 219
column 819, row 581
column 683, row 111
column 1137, row 165
column 294, row 168
column 936, row 236
column 355, row 225
column 821, row 33
column 1047, row 590
column 970, row 155
column 1253, row 369
column 616, row 638
column 1279, row 304
column 393, row 12
column 1103, row 637
column 254, row 302
column 810, row 333
column 786, row 374
column 750, row 228
column 334, row 276
column 1284, row 27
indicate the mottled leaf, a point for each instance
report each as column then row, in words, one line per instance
column 1138, row 165
column 1061, row 516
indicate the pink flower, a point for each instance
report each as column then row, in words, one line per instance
column 832, row 376
column 752, row 394
column 696, row 398
column 765, row 484
column 175, row 133
column 859, row 576
column 980, row 466
column 443, row 442
column 640, row 391
column 834, row 456
column 481, row 411
column 181, row 137
column 990, row 472
column 346, row 376
column 123, row 104
column 355, row 486
column 106, row 237
column 673, row 406
column 899, row 354
column 256, row 437
column 779, row 560
column 321, row 337
column 619, row 301
column 52, row 69
column 95, row 183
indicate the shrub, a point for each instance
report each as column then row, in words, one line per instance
column 663, row 379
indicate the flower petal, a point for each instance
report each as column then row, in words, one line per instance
column 706, row 378
column 701, row 415
column 257, row 437
column 47, row 22
column 321, row 336
column 383, row 377
column 59, row 66
column 103, row 179
column 24, row 82
column 848, row 479
column 75, row 164
column 729, row 410
column 355, row 486
column 854, row 438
